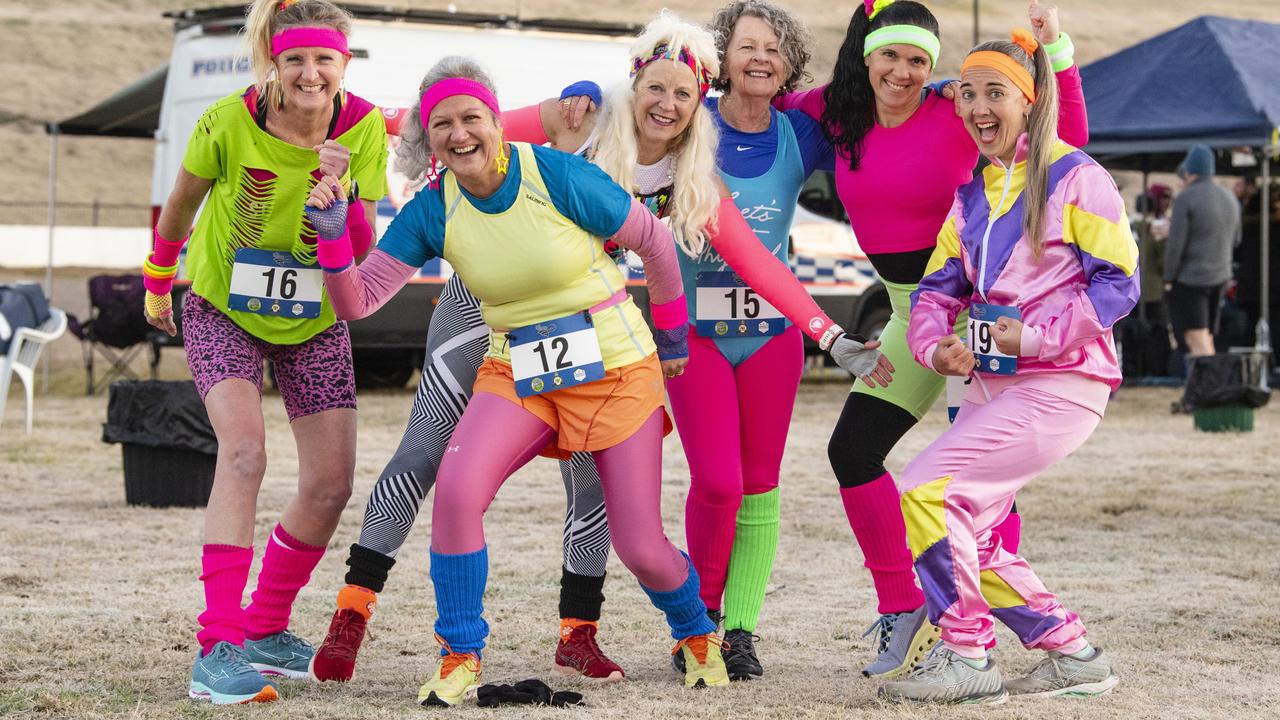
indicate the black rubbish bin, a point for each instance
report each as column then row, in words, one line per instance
column 168, row 442
column 1224, row 389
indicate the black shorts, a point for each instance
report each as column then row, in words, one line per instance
column 1193, row 307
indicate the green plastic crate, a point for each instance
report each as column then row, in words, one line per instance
column 1224, row 418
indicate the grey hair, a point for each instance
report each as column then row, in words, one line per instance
column 413, row 156
column 794, row 39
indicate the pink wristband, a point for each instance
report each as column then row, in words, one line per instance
column 335, row 255
column 524, row 125
column 671, row 314
column 164, row 253
column 359, row 230
column 157, row 286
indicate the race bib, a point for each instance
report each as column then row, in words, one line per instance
column 267, row 282
column 726, row 307
column 555, row 354
column 982, row 318
column 957, row 387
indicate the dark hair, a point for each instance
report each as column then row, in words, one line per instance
column 851, row 102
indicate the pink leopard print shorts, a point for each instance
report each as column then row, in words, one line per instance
column 314, row 376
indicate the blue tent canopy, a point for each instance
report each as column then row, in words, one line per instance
column 1214, row 80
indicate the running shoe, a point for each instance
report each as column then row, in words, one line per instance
column 335, row 659
column 677, row 659
column 947, row 679
column 703, row 661
column 578, row 654
column 740, row 659
column 283, row 654
column 225, row 677
column 902, row 642
column 1060, row 674
column 456, row 675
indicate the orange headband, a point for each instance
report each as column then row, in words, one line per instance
column 1006, row 65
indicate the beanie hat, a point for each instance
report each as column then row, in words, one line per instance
column 1199, row 161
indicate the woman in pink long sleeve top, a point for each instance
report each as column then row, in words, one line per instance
column 901, row 152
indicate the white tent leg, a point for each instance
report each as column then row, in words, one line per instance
column 53, row 219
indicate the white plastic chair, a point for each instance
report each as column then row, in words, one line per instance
column 24, row 352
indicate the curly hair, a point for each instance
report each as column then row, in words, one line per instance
column 794, row 39
column 413, row 156
column 851, row 101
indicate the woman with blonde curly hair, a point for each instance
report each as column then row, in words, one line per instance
column 256, row 294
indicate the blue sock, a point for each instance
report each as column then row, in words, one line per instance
column 459, row 582
column 685, row 611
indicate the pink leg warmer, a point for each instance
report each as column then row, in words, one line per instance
column 286, row 568
column 875, row 514
column 225, row 573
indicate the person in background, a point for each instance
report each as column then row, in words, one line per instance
column 1204, row 230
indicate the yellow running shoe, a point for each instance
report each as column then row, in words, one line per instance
column 703, row 662
column 456, row 675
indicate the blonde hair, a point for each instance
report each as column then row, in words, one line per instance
column 414, row 154
column 1042, row 135
column 266, row 18
column 696, row 195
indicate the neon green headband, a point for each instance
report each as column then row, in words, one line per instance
column 903, row 35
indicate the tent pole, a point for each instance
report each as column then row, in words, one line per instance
column 1266, row 238
column 54, row 131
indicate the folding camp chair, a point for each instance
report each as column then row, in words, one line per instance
column 116, row 329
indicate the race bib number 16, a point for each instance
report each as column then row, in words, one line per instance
column 274, row 283
column 982, row 318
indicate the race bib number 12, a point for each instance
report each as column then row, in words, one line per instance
column 555, row 354
column 982, row 318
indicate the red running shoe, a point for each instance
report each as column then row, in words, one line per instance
column 578, row 654
column 335, row 659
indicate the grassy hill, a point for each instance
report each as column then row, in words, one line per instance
column 65, row 55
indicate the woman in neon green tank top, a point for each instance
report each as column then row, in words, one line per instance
column 256, row 294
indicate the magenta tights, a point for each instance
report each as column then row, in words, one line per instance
column 733, row 424
column 496, row 437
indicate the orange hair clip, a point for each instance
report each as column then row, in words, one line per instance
column 1025, row 40
column 284, row 4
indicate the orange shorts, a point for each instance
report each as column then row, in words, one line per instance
column 591, row 416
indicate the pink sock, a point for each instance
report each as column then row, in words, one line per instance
column 225, row 572
column 286, row 567
column 875, row 514
column 709, row 530
column 1010, row 532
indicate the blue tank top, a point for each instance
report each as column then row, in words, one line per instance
column 768, row 202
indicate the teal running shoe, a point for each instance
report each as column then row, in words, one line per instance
column 280, row 654
column 225, row 677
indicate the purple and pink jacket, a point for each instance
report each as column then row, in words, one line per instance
column 1070, row 298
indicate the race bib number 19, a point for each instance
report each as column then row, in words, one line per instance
column 555, row 354
column 982, row 319
column 268, row 282
column 726, row 308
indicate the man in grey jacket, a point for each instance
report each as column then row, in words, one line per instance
column 1204, row 229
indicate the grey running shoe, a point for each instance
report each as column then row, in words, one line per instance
column 280, row 654
column 1060, row 674
column 677, row 659
column 740, row 659
column 946, row 679
column 902, row 642
column 225, row 677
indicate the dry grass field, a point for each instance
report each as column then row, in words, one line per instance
column 1163, row 538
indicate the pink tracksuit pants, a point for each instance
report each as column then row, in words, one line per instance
column 961, row 487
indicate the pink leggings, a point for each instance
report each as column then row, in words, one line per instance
column 496, row 437
column 961, row 487
column 733, row 425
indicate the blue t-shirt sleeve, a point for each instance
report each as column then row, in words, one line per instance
column 416, row 234
column 814, row 146
column 583, row 192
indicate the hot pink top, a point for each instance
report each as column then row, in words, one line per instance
column 907, row 176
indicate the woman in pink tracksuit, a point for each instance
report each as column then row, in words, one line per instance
column 1037, row 248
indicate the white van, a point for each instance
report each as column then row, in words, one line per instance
column 529, row 61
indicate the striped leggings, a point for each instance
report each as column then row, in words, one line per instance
column 456, row 342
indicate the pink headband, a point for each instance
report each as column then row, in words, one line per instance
column 297, row 37
column 449, row 87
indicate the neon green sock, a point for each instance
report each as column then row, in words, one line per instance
column 751, row 561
